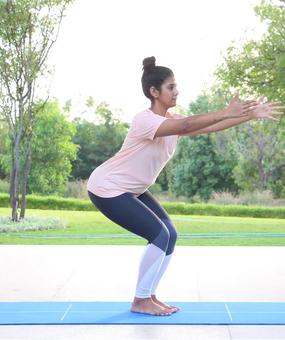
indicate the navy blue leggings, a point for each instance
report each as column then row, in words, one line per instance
column 142, row 215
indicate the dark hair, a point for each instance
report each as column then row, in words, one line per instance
column 153, row 76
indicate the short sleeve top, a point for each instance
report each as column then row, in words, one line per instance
column 138, row 163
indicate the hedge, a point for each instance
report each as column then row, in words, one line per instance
column 224, row 210
column 50, row 203
column 60, row 203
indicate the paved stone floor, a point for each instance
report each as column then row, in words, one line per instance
column 108, row 273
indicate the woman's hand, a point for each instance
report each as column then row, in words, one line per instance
column 256, row 109
column 238, row 109
column 266, row 111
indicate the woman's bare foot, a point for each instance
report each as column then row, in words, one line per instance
column 173, row 309
column 148, row 306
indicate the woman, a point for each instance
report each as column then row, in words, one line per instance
column 119, row 186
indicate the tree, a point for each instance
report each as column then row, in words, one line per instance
column 261, row 158
column 97, row 141
column 199, row 168
column 258, row 68
column 53, row 151
column 28, row 29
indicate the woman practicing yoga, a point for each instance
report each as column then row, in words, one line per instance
column 119, row 186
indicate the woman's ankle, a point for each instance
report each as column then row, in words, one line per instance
column 138, row 299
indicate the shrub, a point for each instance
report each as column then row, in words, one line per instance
column 4, row 200
column 259, row 198
column 76, row 189
column 59, row 203
column 32, row 223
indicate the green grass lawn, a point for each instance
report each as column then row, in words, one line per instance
column 89, row 223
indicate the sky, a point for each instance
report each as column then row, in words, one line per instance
column 102, row 44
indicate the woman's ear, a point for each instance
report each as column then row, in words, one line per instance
column 154, row 92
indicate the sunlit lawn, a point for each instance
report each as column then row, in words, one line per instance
column 88, row 224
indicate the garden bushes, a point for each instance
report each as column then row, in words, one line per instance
column 179, row 208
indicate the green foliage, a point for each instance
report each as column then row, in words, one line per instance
column 76, row 189
column 198, row 169
column 223, row 210
column 261, row 163
column 59, row 203
column 203, row 163
column 4, row 186
column 163, row 179
column 4, row 200
column 98, row 142
column 257, row 198
column 52, row 152
column 258, row 68
column 51, row 202
column 28, row 29
column 3, row 148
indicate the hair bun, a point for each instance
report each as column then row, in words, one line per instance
column 148, row 64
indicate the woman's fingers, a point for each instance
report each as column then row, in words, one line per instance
column 272, row 118
column 277, row 108
column 258, row 109
column 274, row 103
column 256, row 102
column 251, row 109
column 250, row 105
column 270, row 108
column 250, row 101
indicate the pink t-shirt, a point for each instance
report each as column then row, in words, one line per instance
column 138, row 163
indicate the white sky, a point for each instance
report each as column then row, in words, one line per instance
column 102, row 43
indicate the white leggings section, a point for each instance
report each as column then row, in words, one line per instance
column 152, row 267
column 160, row 273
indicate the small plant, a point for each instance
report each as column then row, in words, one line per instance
column 32, row 223
column 264, row 198
column 77, row 189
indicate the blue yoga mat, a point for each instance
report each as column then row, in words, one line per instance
column 198, row 313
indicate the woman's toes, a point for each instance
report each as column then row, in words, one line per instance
column 166, row 312
column 174, row 309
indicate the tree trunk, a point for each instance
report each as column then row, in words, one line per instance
column 276, row 173
column 13, row 185
column 12, row 173
column 15, row 190
column 27, row 168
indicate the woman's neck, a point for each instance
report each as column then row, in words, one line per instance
column 158, row 109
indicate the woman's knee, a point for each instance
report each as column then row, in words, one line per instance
column 162, row 239
column 172, row 236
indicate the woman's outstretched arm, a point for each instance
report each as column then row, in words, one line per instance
column 186, row 125
column 225, row 124
column 262, row 111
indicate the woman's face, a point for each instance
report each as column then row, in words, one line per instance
column 168, row 93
